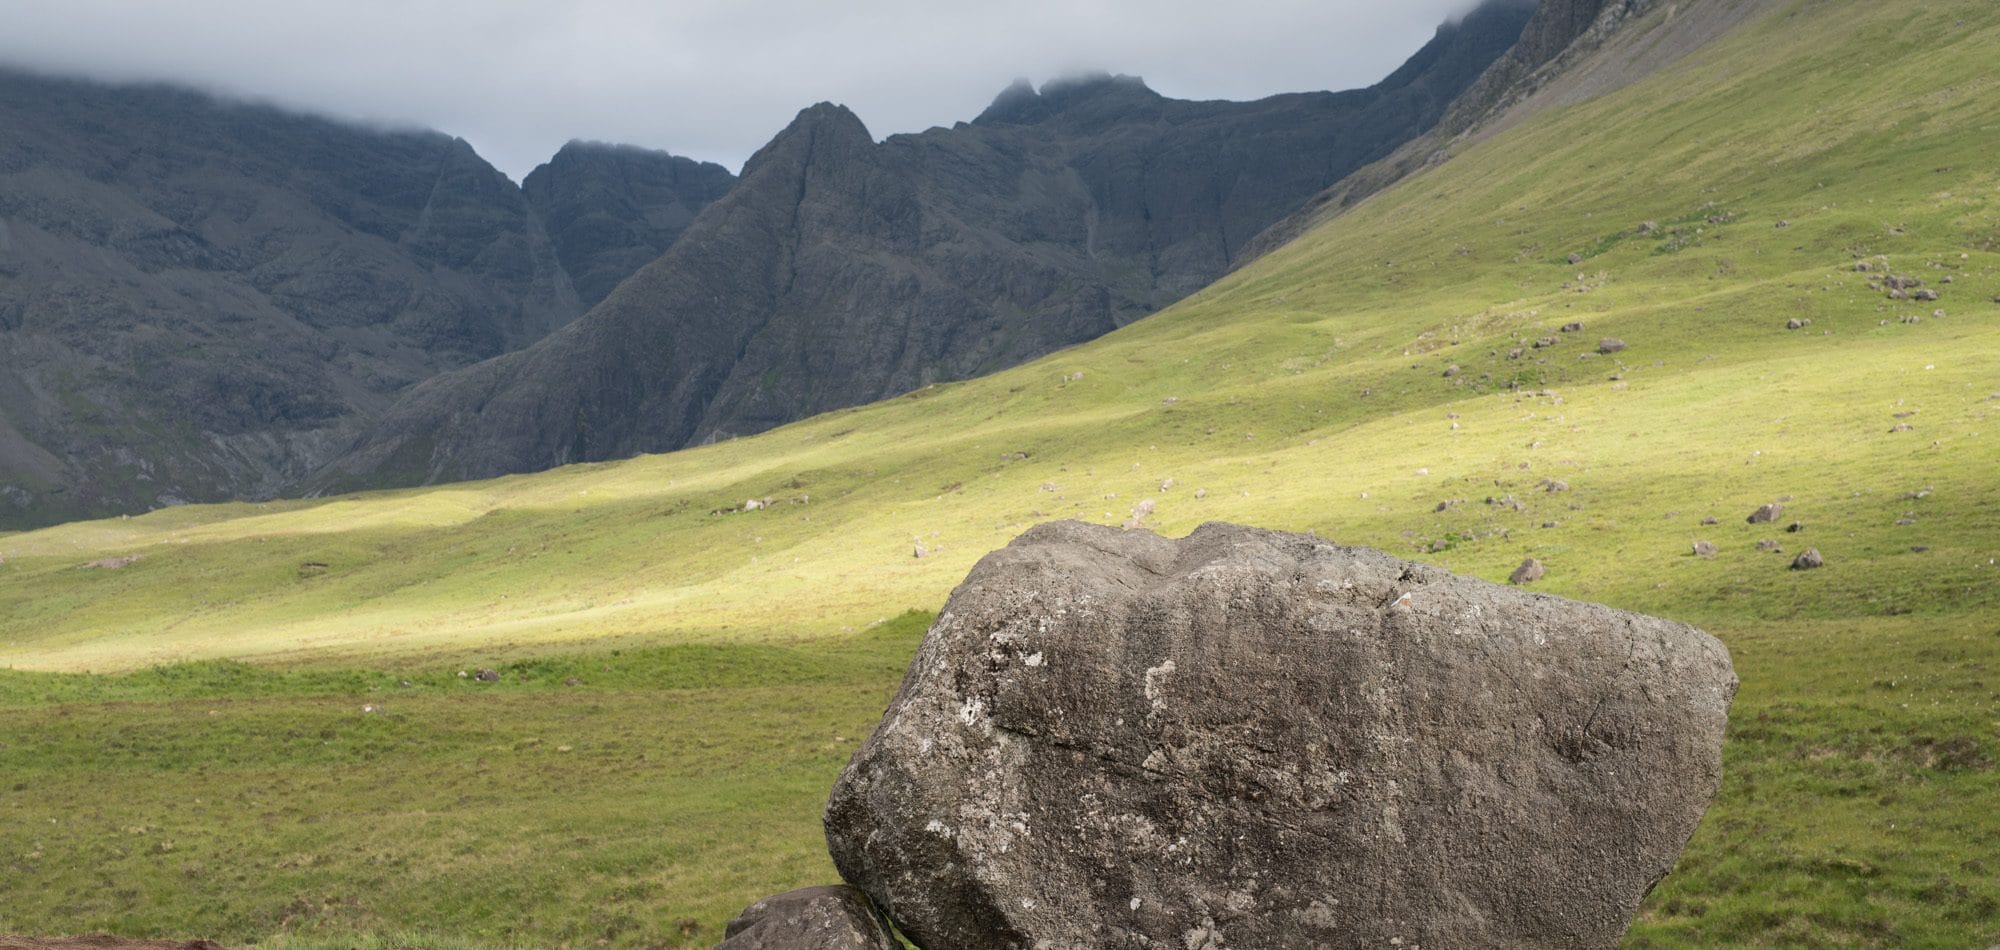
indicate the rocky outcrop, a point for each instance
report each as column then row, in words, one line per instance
column 813, row 918
column 841, row 270
column 611, row 209
column 1254, row 739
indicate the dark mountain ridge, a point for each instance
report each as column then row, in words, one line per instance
column 841, row 270
column 202, row 300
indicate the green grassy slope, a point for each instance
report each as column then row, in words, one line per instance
column 1307, row 392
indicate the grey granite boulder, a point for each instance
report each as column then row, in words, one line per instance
column 812, row 918
column 1254, row 739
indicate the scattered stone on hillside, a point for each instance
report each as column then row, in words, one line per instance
column 1704, row 549
column 1864, row 267
column 1913, row 318
column 1902, row 427
column 1170, row 400
column 753, row 504
column 1051, row 487
column 1794, row 528
column 1514, row 354
column 1004, row 457
column 1919, row 493
column 1447, row 505
column 1926, row 294
column 1808, row 560
column 1769, row 546
column 1648, row 227
column 100, row 942
column 1610, row 345
column 1113, row 739
column 487, row 676
column 1546, row 342
column 1554, row 485
column 1167, row 485
column 1201, row 493
column 1766, row 514
column 1919, row 548
column 1530, row 571
column 1140, row 512
column 572, row 681
column 813, row 918
column 1440, row 546
column 1897, row 295
column 1575, row 259
column 1783, row 224
column 115, row 563
column 1711, row 519
column 1451, row 371
column 462, row 674
column 369, row 709
column 917, row 549
column 1551, row 524
column 1796, row 323
column 1908, row 518
column 1573, row 327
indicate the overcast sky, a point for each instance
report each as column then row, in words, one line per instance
column 710, row 79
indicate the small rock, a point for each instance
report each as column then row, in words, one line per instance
column 1794, row 528
column 1551, row 524
column 1808, row 560
column 1610, row 345
column 1201, row 493
column 1704, row 549
column 1925, row 294
column 572, row 681
column 1648, row 227
column 815, row 918
column 1529, row 572
column 1902, row 427
column 753, row 504
column 1769, row 546
column 1572, row 327
column 370, row 709
column 1766, row 514
column 486, row 676
column 1554, row 485
column 1451, row 371
column 1782, row 224
column 1711, row 519
column 917, row 549
column 1797, row 324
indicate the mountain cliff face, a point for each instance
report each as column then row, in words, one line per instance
column 611, row 209
column 202, row 300
column 841, row 270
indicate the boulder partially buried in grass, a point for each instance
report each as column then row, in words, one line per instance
column 812, row 918
column 1254, row 739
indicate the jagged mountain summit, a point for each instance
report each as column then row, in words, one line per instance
column 841, row 270
column 200, row 300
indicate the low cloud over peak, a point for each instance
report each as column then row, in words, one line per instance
column 710, row 79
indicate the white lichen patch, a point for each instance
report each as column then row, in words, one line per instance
column 1156, row 682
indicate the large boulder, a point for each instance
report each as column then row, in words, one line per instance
column 1254, row 739
column 812, row 918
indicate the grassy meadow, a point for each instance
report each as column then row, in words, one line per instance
column 182, row 743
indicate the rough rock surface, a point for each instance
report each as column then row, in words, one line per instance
column 812, row 918
column 1254, row 739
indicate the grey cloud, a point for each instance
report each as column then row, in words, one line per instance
column 709, row 79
